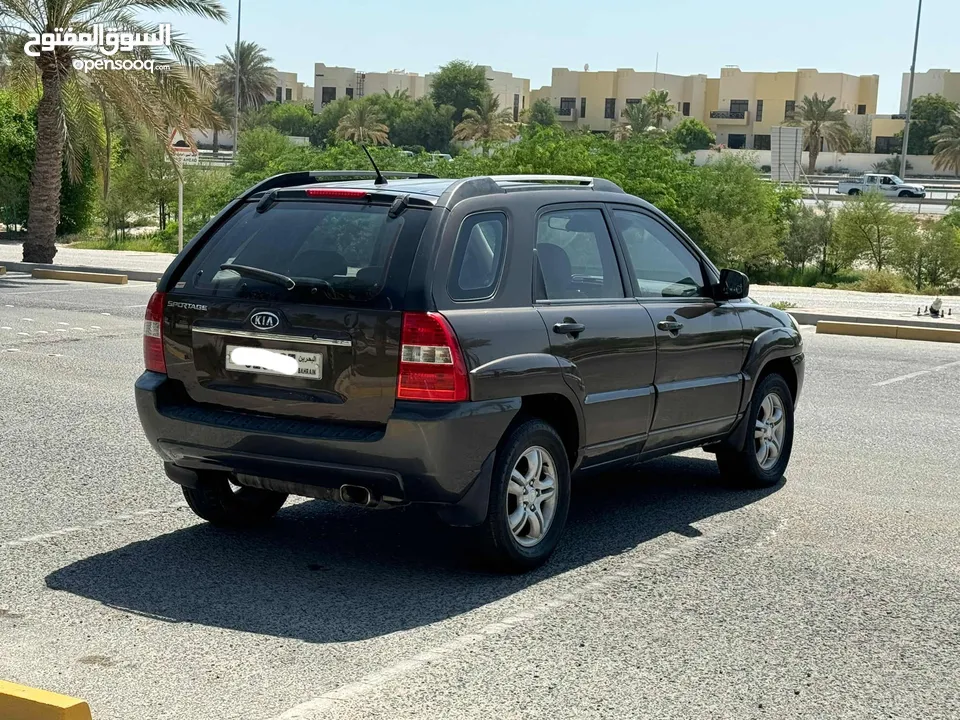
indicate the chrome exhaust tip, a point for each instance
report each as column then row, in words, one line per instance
column 356, row 495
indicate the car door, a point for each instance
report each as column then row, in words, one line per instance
column 700, row 347
column 602, row 337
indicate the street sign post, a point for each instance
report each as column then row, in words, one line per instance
column 181, row 154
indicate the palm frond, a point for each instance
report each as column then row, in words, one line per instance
column 84, row 126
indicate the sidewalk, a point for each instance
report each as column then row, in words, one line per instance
column 810, row 304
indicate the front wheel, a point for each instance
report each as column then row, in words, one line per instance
column 529, row 499
column 905, row 193
column 766, row 452
column 222, row 502
column 854, row 192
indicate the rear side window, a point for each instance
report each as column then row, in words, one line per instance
column 331, row 250
column 478, row 256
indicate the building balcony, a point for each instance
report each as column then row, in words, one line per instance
column 566, row 113
column 727, row 117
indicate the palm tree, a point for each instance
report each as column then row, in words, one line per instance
column 486, row 124
column 660, row 106
column 257, row 79
column 946, row 152
column 70, row 111
column 821, row 122
column 222, row 106
column 636, row 119
column 363, row 125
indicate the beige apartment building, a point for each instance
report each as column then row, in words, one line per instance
column 332, row 83
column 744, row 106
column 740, row 107
column 597, row 98
column 931, row 82
column 289, row 89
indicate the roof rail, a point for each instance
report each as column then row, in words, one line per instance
column 600, row 184
column 350, row 174
column 305, row 177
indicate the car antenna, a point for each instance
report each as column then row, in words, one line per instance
column 381, row 180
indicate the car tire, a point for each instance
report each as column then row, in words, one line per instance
column 905, row 193
column 750, row 467
column 225, row 504
column 854, row 192
column 507, row 540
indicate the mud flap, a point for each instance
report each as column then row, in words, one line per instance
column 471, row 509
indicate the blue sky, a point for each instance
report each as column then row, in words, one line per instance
column 529, row 37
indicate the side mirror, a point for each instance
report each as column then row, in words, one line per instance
column 733, row 285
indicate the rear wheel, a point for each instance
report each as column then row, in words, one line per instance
column 222, row 502
column 766, row 452
column 529, row 499
column 854, row 192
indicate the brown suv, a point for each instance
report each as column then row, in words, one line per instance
column 467, row 344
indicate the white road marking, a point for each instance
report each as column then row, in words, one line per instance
column 62, row 323
column 42, row 332
column 373, row 681
column 61, row 330
column 95, row 327
column 119, row 519
column 28, row 319
column 78, row 328
column 6, row 327
column 908, row 376
column 23, row 333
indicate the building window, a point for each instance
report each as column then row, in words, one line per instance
column 583, row 107
column 327, row 95
column 567, row 106
column 861, row 109
column 516, row 107
column 759, row 117
column 350, row 93
column 761, row 142
column 686, row 109
column 739, row 106
column 736, row 142
column 789, row 109
column 279, row 94
column 610, row 109
column 887, row 145
column 289, row 96
column 523, row 102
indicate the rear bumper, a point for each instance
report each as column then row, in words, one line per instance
column 428, row 452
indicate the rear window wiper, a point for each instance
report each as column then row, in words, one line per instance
column 260, row 274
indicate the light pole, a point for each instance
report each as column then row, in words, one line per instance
column 236, row 88
column 913, row 69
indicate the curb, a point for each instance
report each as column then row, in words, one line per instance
column 898, row 332
column 19, row 702
column 813, row 318
column 141, row 275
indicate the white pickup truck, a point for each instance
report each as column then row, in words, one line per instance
column 889, row 185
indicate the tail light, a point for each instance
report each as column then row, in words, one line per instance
column 153, row 334
column 431, row 364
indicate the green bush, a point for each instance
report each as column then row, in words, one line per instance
column 879, row 282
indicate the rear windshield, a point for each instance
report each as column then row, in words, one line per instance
column 330, row 250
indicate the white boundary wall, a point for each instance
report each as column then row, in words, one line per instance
column 854, row 162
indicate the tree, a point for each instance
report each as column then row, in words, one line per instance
column 929, row 114
column 821, row 122
column 691, row 134
column 362, row 124
column 890, row 165
column 808, row 236
column 18, row 138
column 636, row 119
column 660, row 106
column 257, row 78
column 323, row 128
column 291, row 119
column 542, row 113
column 868, row 227
column 423, row 124
column 222, row 106
column 460, row 84
column 487, row 124
column 70, row 112
column 861, row 137
column 947, row 146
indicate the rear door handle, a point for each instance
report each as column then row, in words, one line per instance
column 569, row 328
column 670, row 326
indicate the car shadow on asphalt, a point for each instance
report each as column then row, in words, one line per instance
column 323, row 573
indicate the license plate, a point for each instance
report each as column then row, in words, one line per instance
column 271, row 362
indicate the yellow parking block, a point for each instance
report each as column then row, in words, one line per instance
column 109, row 278
column 831, row 327
column 899, row 332
column 19, row 702
column 930, row 334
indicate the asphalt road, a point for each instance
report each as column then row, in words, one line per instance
column 834, row 595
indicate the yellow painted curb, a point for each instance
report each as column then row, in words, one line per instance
column 109, row 278
column 899, row 332
column 19, row 702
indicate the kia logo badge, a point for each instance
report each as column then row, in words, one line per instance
column 264, row 320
